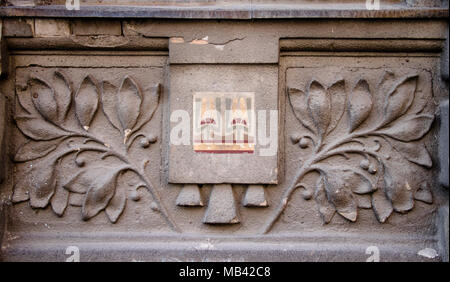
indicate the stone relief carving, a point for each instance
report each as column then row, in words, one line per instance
column 370, row 181
column 342, row 119
column 57, row 119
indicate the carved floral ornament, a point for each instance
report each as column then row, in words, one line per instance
column 320, row 109
column 57, row 119
column 58, row 125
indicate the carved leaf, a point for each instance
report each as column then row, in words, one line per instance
column 38, row 129
column 82, row 180
column 326, row 209
column 364, row 201
column 21, row 193
column 412, row 128
column 297, row 99
column 32, row 150
column 319, row 107
column 43, row 98
column 59, row 200
column 129, row 102
column 116, row 206
column 359, row 104
column 381, row 206
column 149, row 105
column 42, row 183
column 86, row 101
column 423, row 194
column 413, row 152
column 399, row 192
column 20, row 107
column 400, row 98
column 339, row 196
column 109, row 102
column 355, row 181
column 99, row 185
column 337, row 96
column 63, row 90
column 100, row 193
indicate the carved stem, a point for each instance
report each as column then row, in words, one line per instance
column 131, row 140
column 132, row 167
column 307, row 167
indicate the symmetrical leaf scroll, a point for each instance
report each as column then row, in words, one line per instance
column 343, row 189
column 59, row 122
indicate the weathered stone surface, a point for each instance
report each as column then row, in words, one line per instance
column 2, row 224
column 443, row 222
column 255, row 197
column 221, row 206
column 18, row 27
column 96, row 27
column 443, row 144
column 22, row 3
column 51, row 27
column 423, row 194
column 222, row 249
column 3, row 145
column 3, row 54
column 353, row 169
column 445, row 59
column 234, row 48
column 235, row 9
column 190, row 196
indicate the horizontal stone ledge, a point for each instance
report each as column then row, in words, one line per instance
column 90, row 43
column 367, row 45
column 215, row 249
column 243, row 11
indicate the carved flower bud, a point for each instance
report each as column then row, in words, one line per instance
column 372, row 169
column 303, row 143
column 364, row 164
column 80, row 162
column 144, row 143
column 295, row 138
column 135, row 196
column 152, row 138
column 307, row 194
column 154, row 206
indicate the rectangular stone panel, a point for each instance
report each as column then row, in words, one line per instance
column 80, row 131
column 242, row 88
